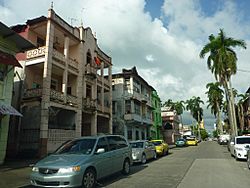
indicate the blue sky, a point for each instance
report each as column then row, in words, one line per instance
column 162, row 38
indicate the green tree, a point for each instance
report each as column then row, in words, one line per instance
column 215, row 101
column 194, row 106
column 242, row 98
column 222, row 61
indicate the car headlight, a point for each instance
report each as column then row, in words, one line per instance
column 35, row 169
column 239, row 149
column 68, row 170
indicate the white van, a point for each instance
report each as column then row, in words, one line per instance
column 237, row 146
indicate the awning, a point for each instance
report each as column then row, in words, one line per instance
column 8, row 59
column 6, row 109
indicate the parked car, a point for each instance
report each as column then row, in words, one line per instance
column 162, row 148
column 248, row 156
column 142, row 151
column 223, row 139
column 180, row 142
column 238, row 146
column 191, row 141
column 82, row 161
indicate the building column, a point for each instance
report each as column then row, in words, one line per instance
column 94, row 124
column 110, row 100
column 46, row 87
column 65, row 73
column 80, row 87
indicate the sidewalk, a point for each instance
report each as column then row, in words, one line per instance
column 15, row 173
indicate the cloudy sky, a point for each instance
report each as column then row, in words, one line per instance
column 162, row 38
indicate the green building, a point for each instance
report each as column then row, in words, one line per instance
column 10, row 44
column 157, row 120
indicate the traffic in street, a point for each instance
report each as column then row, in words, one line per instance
column 206, row 165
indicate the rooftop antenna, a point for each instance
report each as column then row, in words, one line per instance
column 71, row 21
column 51, row 5
column 82, row 16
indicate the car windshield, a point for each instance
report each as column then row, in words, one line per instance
column 81, row 146
column 157, row 143
column 180, row 139
column 136, row 144
column 243, row 140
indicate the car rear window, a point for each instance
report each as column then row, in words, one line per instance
column 243, row 140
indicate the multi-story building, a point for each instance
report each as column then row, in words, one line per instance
column 170, row 121
column 156, row 129
column 66, row 85
column 10, row 44
column 132, row 105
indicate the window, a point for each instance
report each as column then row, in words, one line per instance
column 137, row 108
column 137, row 135
column 40, row 42
column 127, row 106
column 102, row 143
column 35, row 85
column 3, row 69
column 54, row 84
column 113, row 107
column 69, row 90
column 88, row 91
column 130, row 134
column 89, row 58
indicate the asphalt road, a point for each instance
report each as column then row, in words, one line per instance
column 207, row 165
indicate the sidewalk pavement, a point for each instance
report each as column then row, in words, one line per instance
column 16, row 173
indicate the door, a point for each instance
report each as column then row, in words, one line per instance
column 103, row 160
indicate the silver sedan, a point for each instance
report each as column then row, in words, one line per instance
column 142, row 151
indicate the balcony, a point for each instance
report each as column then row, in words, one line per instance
column 32, row 93
column 71, row 100
column 36, row 52
column 90, row 71
column 89, row 104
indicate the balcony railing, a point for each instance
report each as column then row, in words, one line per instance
column 57, row 96
column 89, row 104
column 36, row 52
column 32, row 93
column 73, row 63
column 72, row 100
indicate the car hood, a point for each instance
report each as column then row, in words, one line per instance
column 62, row 160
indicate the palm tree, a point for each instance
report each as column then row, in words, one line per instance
column 222, row 61
column 215, row 101
column 242, row 99
column 193, row 105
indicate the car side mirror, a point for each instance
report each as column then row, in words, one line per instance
column 231, row 143
column 100, row 150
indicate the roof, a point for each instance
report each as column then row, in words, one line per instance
column 8, row 59
column 21, row 43
column 131, row 72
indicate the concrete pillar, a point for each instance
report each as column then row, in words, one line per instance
column 46, row 87
column 94, row 124
column 65, row 73
column 110, row 100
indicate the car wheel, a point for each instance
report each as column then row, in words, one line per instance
column 167, row 152
column 155, row 155
column 143, row 159
column 89, row 179
column 126, row 167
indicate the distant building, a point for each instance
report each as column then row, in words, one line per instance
column 156, row 129
column 10, row 44
column 170, row 122
column 132, row 105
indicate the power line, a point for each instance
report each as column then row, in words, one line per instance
column 241, row 70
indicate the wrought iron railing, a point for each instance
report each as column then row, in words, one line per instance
column 33, row 92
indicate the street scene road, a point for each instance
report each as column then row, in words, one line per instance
column 206, row 165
